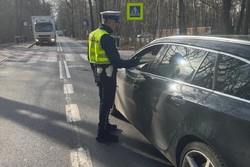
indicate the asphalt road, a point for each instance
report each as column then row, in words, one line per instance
column 49, row 112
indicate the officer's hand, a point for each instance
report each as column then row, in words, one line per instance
column 135, row 62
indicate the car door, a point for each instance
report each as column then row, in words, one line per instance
column 226, row 119
column 130, row 83
column 176, row 97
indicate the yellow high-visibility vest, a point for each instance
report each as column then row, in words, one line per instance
column 96, row 54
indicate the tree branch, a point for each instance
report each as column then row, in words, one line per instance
column 211, row 5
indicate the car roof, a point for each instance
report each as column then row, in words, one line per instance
column 236, row 45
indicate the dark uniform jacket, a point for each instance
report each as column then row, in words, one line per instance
column 108, row 44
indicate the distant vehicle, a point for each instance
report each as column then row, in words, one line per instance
column 44, row 29
column 59, row 32
column 144, row 35
column 190, row 97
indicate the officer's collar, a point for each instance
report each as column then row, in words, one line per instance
column 103, row 26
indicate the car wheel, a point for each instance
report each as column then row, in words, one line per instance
column 198, row 154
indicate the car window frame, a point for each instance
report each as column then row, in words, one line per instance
column 216, row 72
column 215, row 68
column 157, row 57
column 166, row 46
column 207, row 50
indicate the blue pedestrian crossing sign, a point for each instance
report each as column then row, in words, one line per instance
column 134, row 11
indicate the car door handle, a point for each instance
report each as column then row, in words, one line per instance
column 136, row 85
column 178, row 100
column 138, row 81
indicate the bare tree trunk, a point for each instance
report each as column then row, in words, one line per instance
column 21, row 18
column 71, row 6
column 18, row 14
column 247, row 18
column 73, row 22
column 194, row 17
column 157, row 23
column 91, row 16
column 240, row 21
column 226, row 7
column 101, row 5
column 182, row 27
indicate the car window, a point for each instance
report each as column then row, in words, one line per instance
column 180, row 62
column 148, row 57
column 205, row 74
column 233, row 77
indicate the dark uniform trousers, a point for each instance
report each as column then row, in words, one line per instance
column 107, row 88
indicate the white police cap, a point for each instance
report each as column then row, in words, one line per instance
column 114, row 15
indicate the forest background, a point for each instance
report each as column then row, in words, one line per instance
column 77, row 18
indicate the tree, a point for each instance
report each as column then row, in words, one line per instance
column 14, row 12
column 182, row 23
column 240, row 21
column 227, row 25
column 72, row 8
column 247, row 18
column 182, row 14
column 91, row 15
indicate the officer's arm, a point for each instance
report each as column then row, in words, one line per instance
column 108, row 45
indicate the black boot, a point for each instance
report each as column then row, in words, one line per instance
column 111, row 127
column 106, row 136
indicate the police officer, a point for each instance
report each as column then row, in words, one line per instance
column 104, row 60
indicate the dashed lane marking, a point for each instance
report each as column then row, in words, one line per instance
column 68, row 89
column 80, row 158
column 67, row 69
column 72, row 113
column 60, row 70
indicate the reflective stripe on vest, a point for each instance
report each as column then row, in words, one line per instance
column 96, row 54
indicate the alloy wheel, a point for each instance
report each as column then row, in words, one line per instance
column 196, row 158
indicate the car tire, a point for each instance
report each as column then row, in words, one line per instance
column 199, row 154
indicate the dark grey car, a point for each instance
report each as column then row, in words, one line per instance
column 190, row 97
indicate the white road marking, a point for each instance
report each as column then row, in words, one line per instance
column 40, row 53
column 84, row 56
column 76, row 66
column 80, row 158
column 69, row 57
column 146, row 155
column 52, row 58
column 59, row 47
column 60, row 70
column 67, row 69
column 68, row 89
column 72, row 113
column 34, row 59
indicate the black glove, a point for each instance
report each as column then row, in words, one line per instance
column 135, row 62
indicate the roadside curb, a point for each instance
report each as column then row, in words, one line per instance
column 3, row 57
column 31, row 45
